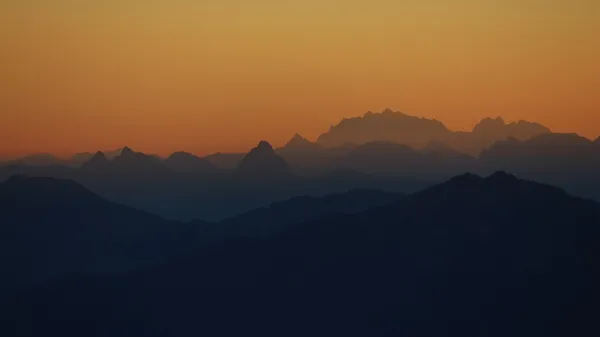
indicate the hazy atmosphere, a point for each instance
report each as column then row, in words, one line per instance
column 207, row 76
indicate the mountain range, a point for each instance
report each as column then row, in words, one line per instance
column 495, row 256
column 184, row 186
column 415, row 132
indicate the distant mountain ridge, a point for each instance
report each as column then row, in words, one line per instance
column 264, row 164
column 397, row 127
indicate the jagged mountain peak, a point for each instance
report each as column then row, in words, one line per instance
column 264, row 146
column 262, row 161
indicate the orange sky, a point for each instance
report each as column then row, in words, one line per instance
column 219, row 75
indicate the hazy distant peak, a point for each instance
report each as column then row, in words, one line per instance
column 262, row 162
column 127, row 151
column 187, row 162
column 181, row 154
column 99, row 156
column 96, row 163
column 264, row 146
column 39, row 159
column 489, row 123
column 297, row 138
column 299, row 142
column 387, row 125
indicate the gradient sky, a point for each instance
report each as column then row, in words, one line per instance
column 219, row 75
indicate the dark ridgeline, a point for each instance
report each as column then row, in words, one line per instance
column 263, row 164
column 309, row 158
column 389, row 159
column 184, row 162
column 79, row 158
column 495, row 256
column 53, row 226
column 96, row 164
column 565, row 160
column 283, row 215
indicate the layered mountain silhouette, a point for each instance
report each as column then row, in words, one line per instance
column 80, row 158
column 566, row 160
column 52, row 227
column 98, row 163
column 386, row 158
column 283, row 215
column 38, row 159
column 495, row 256
column 308, row 158
column 415, row 132
column 185, row 162
column 386, row 126
column 228, row 161
column 263, row 163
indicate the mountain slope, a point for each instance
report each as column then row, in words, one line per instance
column 565, row 160
column 263, row 163
column 281, row 216
column 51, row 227
column 493, row 257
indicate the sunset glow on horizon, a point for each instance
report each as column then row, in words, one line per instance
column 220, row 75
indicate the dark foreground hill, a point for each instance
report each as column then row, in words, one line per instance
column 51, row 226
column 494, row 256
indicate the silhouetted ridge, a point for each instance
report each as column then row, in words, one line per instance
column 495, row 257
column 46, row 191
column 298, row 142
column 487, row 125
column 465, row 179
column 97, row 163
column 385, row 126
column 185, row 162
column 283, row 215
column 418, row 132
column 127, row 151
column 263, row 162
column 137, row 163
column 52, row 227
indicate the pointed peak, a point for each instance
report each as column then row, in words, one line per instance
column 127, row 150
column 98, row 157
column 263, row 145
column 298, row 142
column 297, row 137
